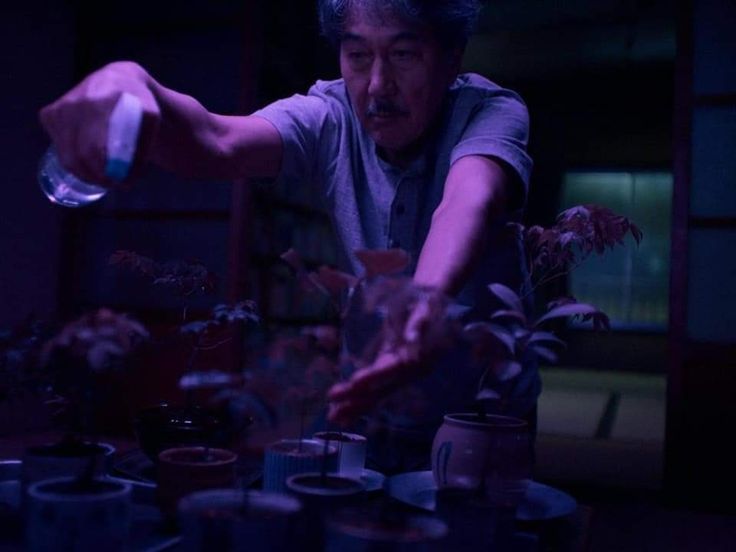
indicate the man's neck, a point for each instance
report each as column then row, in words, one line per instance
column 402, row 158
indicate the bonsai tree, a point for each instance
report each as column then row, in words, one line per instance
column 186, row 279
column 512, row 334
column 198, row 420
column 379, row 312
column 76, row 364
column 77, row 358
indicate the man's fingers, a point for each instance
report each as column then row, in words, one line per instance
column 346, row 412
column 418, row 321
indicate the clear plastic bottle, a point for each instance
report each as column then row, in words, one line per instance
column 63, row 188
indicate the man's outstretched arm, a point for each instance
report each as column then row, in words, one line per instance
column 177, row 133
column 475, row 193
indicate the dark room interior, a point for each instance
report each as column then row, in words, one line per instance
column 632, row 105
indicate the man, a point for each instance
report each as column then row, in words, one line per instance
column 406, row 154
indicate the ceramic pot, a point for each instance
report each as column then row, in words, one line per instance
column 64, row 459
column 351, row 450
column 185, row 470
column 353, row 530
column 64, row 514
column 490, row 454
column 228, row 519
column 288, row 457
column 321, row 496
column 167, row 426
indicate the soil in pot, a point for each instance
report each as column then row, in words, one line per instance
column 182, row 471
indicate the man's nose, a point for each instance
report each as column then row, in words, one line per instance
column 382, row 81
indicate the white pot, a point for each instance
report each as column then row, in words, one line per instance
column 351, row 449
column 492, row 454
column 218, row 520
column 46, row 462
column 286, row 457
column 60, row 515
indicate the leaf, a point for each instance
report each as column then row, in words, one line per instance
column 507, row 369
column 334, row 281
column 507, row 296
column 487, row 393
column 194, row 328
column 240, row 311
column 506, row 313
column 545, row 337
column 383, row 262
column 207, row 379
column 636, row 233
column 479, row 330
column 547, row 354
column 292, row 258
column 600, row 321
column 570, row 309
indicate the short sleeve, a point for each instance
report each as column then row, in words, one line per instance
column 303, row 122
column 498, row 127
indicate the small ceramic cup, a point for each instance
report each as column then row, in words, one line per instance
column 351, row 450
column 288, row 457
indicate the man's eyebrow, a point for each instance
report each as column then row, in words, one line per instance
column 404, row 35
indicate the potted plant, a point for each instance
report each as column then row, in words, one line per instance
column 492, row 453
column 77, row 364
column 192, row 422
column 291, row 377
column 373, row 312
column 79, row 510
column 322, row 494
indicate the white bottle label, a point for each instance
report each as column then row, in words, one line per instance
column 122, row 136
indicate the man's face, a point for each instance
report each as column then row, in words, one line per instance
column 396, row 75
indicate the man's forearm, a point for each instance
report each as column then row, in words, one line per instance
column 475, row 192
column 195, row 143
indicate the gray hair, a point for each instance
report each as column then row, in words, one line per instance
column 453, row 21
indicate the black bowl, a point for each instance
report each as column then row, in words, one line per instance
column 165, row 426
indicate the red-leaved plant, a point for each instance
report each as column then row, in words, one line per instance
column 76, row 361
column 187, row 278
column 383, row 311
column 511, row 335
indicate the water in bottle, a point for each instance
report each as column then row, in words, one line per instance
column 62, row 187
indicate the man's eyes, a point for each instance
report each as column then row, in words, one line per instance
column 400, row 57
column 405, row 55
column 359, row 59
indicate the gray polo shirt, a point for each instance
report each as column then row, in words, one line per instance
column 375, row 205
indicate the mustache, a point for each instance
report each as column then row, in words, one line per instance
column 384, row 109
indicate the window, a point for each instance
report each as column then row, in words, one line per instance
column 629, row 284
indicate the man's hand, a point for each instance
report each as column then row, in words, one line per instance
column 78, row 121
column 402, row 359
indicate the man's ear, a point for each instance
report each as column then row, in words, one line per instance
column 455, row 61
